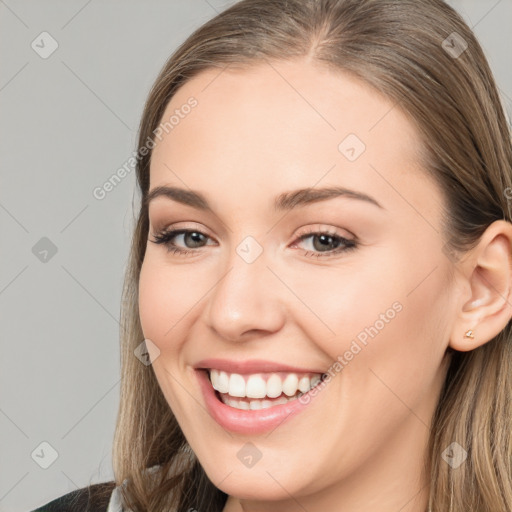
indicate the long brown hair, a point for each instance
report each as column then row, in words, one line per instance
column 414, row 52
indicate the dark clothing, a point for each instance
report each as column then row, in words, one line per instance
column 94, row 498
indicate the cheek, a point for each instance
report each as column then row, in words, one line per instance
column 166, row 311
column 400, row 344
column 385, row 320
column 340, row 304
column 165, row 302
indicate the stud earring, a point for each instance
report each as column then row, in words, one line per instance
column 469, row 334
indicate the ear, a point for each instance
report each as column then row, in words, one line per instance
column 487, row 277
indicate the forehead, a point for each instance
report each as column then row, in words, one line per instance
column 283, row 125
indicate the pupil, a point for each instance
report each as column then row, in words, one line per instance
column 195, row 237
column 325, row 240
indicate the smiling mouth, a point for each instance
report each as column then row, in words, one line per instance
column 260, row 390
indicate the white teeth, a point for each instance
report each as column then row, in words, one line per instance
column 223, row 382
column 304, row 384
column 255, row 404
column 274, row 386
column 290, row 384
column 220, row 381
column 256, row 387
column 243, row 405
column 236, row 385
column 259, row 385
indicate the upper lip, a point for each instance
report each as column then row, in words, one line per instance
column 250, row 366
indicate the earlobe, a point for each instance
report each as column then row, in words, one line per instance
column 489, row 277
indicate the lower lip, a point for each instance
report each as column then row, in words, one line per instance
column 244, row 421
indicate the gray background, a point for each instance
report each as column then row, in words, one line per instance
column 68, row 122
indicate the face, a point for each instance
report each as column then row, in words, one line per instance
column 261, row 290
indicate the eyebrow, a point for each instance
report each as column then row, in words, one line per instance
column 285, row 201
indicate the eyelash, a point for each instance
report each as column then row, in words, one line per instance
column 165, row 237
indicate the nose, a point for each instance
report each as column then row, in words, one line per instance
column 246, row 302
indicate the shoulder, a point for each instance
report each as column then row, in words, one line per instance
column 93, row 498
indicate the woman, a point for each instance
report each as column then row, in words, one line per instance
column 317, row 308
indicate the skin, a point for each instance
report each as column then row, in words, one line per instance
column 360, row 444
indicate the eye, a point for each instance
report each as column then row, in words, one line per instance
column 325, row 243
column 188, row 236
